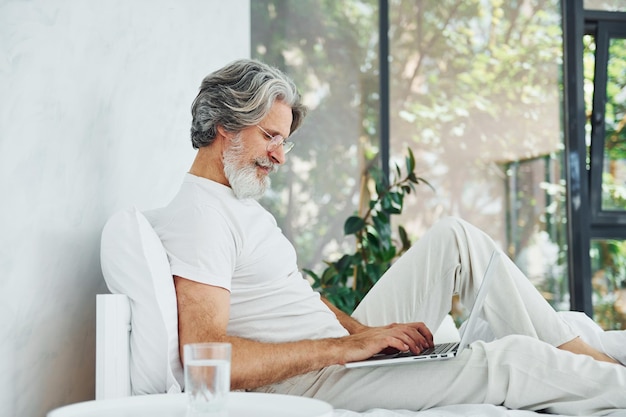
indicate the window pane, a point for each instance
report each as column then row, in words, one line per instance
column 330, row 50
column 536, row 196
column 614, row 166
column 475, row 88
column 605, row 5
column 608, row 259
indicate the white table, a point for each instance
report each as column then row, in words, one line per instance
column 240, row 404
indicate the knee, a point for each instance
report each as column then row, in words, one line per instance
column 444, row 232
column 449, row 223
column 447, row 235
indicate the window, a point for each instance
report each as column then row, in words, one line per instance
column 477, row 90
column 605, row 97
column 595, row 87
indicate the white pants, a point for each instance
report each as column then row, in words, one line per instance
column 522, row 369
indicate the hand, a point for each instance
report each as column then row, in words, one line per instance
column 414, row 337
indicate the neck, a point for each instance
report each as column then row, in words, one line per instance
column 208, row 164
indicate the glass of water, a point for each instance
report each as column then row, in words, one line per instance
column 207, row 378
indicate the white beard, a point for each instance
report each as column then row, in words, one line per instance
column 244, row 179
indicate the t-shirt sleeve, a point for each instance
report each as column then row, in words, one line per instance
column 202, row 246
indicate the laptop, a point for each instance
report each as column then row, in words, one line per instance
column 442, row 350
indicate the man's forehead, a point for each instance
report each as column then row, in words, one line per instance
column 279, row 119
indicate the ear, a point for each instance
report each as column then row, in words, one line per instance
column 223, row 132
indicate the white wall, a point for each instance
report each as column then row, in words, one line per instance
column 94, row 117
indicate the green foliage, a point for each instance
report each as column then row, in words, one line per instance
column 609, row 283
column 613, row 193
column 608, row 257
column 615, row 106
column 346, row 281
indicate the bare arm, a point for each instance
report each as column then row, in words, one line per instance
column 203, row 312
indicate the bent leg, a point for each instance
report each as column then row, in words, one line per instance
column 451, row 258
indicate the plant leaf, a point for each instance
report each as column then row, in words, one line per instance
column 410, row 162
column 343, row 263
column 353, row 224
column 404, row 238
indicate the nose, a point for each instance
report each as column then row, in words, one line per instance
column 277, row 155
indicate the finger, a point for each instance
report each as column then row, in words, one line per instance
column 410, row 335
column 400, row 344
column 421, row 342
column 413, row 339
column 428, row 335
column 424, row 332
column 410, row 338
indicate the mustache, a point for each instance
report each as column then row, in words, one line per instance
column 266, row 163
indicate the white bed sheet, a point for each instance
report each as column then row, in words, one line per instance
column 462, row 410
column 483, row 410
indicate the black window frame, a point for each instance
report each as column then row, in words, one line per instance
column 586, row 219
column 605, row 223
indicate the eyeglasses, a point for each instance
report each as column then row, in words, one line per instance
column 276, row 141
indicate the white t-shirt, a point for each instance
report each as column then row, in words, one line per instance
column 215, row 238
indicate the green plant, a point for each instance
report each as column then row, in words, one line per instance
column 346, row 281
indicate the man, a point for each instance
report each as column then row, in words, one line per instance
column 237, row 281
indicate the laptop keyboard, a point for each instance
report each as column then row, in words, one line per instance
column 440, row 348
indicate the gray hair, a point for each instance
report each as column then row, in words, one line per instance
column 238, row 96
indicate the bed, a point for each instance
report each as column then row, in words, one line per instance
column 113, row 323
column 137, row 272
column 113, row 335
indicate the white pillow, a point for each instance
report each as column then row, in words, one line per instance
column 134, row 263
